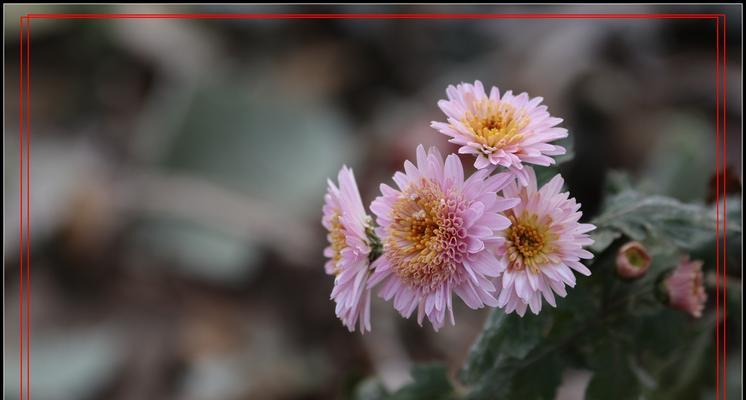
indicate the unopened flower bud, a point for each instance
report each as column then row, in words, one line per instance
column 632, row 260
column 684, row 289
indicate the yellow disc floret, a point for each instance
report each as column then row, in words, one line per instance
column 336, row 237
column 495, row 124
column 529, row 243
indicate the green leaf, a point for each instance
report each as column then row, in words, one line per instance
column 617, row 182
column 602, row 239
column 430, row 383
column 495, row 383
column 369, row 389
column 539, row 382
column 733, row 214
column 681, row 162
column 240, row 139
column 504, row 336
column 613, row 379
column 534, row 378
column 656, row 219
column 523, row 358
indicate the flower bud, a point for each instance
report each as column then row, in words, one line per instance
column 684, row 289
column 632, row 260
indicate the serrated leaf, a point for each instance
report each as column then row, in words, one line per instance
column 430, row 383
column 504, row 336
column 653, row 219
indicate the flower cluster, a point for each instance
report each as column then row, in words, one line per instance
column 494, row 238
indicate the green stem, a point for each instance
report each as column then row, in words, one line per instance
column 376, row 247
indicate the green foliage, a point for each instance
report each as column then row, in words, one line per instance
column 504, row 336
column 430, row 383
column 538, row 383
column 500, row 355
column 655, row 219
column 613, row 378
column 681, row 164
column 633, row 345
column 369, row 389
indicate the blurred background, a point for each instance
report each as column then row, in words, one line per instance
column 179, row 166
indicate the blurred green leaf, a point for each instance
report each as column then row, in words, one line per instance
column 76, row 363
column 430, row 383
column 602, row 239
column 734, row 376
column 617, row 182
column 198, row 251
column 539, row 383
column 683, row 158
column 613, row 379
column 268, row 144
column 369, row 389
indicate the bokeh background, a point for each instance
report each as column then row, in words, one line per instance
column 178, row 171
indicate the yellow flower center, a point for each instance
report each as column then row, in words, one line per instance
column 529, row 243
column 337, row 239
column 697, row 286
column 426, row 240
column 495, row 124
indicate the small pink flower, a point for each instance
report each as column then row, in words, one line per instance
column 543, row 245
column 505, row 130
column 632, row 260
column 439, row 232
column 346, row 221
column 685, row 289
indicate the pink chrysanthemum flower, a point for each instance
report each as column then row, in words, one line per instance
column 684, row 287
column 543, row 245
column 438, row 233
column 505, row 130
column 349, row 249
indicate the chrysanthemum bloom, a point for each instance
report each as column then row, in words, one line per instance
column 684, row 288
column 505, row 130
column 438, row 232
column 349, row 250
column 632, row 260
column 543, row 245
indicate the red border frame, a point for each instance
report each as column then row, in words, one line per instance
column 25, row 134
